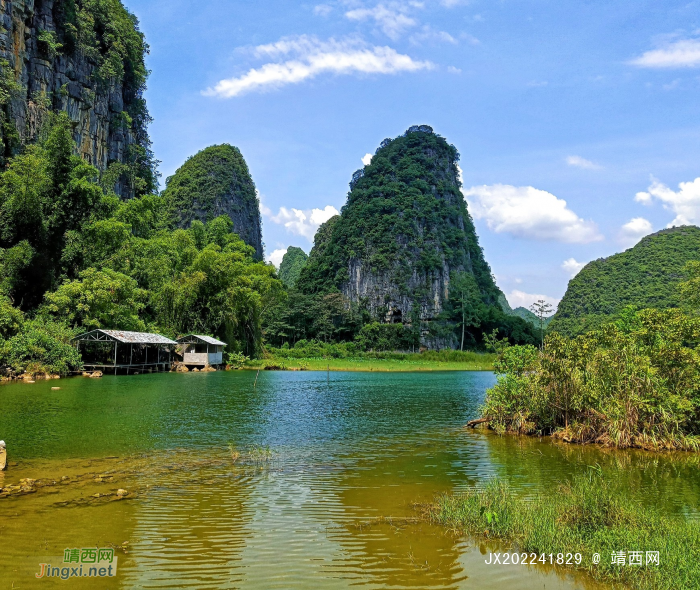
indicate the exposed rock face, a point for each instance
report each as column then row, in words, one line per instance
column 54, row 72
column 402, row 236
column 216, row 182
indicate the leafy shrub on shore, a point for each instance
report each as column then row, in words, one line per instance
column 587, row 515
column 41, row 346
column 633, row 383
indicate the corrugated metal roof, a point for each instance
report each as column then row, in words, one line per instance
column 207, row 339
column 132, row 337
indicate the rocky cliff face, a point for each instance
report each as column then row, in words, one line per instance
column 215, row 182
column 403, row 235
column 84, row 58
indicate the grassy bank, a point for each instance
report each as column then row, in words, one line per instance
column 588, row 515
column 380, row 362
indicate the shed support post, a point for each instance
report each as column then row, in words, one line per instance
column 115, row 358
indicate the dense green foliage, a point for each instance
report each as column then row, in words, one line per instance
column 107, row 35
column 290, row 268
column 405, row 222
column 329, row 318
column 214, row 182
column 646, row 276
column 590, row 514
column 632, row 383
column 314, row 349
column 405, row 211
column 73, row 255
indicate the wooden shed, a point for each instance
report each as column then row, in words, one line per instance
column 201, row 350
column 129, row 351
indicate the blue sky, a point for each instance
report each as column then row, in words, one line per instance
column 578, row 123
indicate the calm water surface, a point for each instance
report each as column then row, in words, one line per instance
column 353, row 454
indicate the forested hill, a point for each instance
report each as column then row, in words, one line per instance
column 215, row 182
column 293, row 262
column 405, row 240
column 646, row 276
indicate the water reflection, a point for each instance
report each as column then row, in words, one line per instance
column 336, row 506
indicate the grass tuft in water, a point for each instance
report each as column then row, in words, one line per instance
column 587, row 515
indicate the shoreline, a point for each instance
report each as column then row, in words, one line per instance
column 363, row 365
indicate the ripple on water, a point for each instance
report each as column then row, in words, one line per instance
column 334, row 507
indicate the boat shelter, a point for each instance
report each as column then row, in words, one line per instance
column 201, row 350
column 126, row 351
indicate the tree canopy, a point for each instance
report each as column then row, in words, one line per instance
column 646, row 277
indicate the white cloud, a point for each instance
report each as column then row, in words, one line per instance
column 573, row 266
column 367, row 159
column 312, row 57
column 521, row 299
column 684, row 53
column 579, row 162
column 277, row 256
column 322, row 9
column 303, row 222
column 427, row 33
column 453, row 70
column 527, row 212
column 685, row 202
column 391, row 18
column 634, row 230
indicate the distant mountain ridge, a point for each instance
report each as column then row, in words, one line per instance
column 646, row 276
column 522, row 312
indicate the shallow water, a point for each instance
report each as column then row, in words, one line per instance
column 353, row 454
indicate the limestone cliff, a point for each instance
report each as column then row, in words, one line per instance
column 403, row 235
column 215, row 182
column 84, row 57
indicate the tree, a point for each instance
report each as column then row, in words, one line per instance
column 98, row 299
column 465, row 293
column 542, row 310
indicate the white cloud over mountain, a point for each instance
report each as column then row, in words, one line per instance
column 527, row 212
column 521, row 299
column 685, row 202
column 634, row 230
column 276, row 256
column 305, row 57
column 573, row 266
column 302, row 222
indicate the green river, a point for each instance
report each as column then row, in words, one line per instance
column 353, row 456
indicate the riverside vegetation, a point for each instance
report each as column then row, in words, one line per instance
column 634, row 382
column 589, row 514
column 75, row 257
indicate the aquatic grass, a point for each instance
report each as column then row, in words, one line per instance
column 259, row 455
column 379, row 362
column 587, row 515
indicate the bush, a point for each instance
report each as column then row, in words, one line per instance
column 635, row 383
column 41, row 346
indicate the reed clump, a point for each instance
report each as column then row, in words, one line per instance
column 587, row 515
